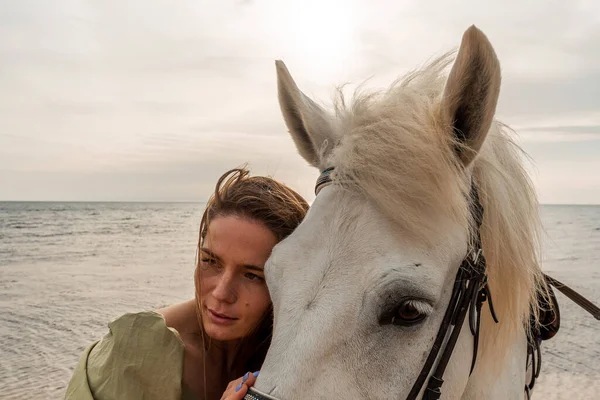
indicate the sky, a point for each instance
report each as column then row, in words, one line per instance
column 153, row 100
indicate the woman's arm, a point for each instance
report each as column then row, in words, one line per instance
column 139, row 357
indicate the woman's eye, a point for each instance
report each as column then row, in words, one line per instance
column 253, row 277
column 408, row 313
column 208, row 261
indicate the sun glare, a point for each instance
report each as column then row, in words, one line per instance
column 317, row 36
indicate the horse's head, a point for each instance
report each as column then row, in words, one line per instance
column 361, row 288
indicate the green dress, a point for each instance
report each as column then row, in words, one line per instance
column 139, row 358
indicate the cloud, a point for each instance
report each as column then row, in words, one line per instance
column 153, row 100
column 559, row 133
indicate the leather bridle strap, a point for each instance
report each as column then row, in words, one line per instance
column 575, row 297
column 468, row 294
column 453, row 319
column 323, row 180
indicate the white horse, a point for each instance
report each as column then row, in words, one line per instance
column 361, row 288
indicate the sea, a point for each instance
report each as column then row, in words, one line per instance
column 67, row 269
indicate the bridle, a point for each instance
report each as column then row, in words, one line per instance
column 469, row 292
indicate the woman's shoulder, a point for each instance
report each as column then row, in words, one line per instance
column 151, row 324
column 182, row 317
column 139, row 352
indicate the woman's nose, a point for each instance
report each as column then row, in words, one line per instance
column 224, row 291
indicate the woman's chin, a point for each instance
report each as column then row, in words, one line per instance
column 221, row 333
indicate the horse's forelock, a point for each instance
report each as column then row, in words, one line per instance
column 396, row 150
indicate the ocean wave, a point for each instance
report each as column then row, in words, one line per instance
column 51, row 235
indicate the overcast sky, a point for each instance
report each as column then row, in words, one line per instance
column 153, row 100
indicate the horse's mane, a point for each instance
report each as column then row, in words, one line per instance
column 396, row 150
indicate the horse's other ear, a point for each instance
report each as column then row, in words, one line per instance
column 308, row 124
column 471, row 93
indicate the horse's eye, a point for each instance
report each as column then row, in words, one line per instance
column 408, row 313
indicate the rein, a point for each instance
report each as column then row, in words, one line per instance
column 575, row 297
column 469, row 292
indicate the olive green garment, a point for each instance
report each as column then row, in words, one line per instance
column 139, row 358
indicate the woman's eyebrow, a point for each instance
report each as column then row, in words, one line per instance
column 210, row 253
column 216, row 257
column 253, row 268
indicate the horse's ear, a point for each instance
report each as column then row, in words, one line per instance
column 309, row 124
column 471, row 93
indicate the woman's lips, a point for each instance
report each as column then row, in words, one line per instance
column 221, row 319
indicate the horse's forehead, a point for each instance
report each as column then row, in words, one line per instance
column 345, row 218
column 345, row 231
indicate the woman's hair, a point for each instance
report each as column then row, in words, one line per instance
column 271, row 203
column 257, row 198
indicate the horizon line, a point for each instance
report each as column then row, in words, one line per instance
column 202, row 202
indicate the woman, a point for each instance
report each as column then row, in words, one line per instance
column 197, row 349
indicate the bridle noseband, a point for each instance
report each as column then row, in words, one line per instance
column 469, row 292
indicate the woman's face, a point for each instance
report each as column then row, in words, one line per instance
column 233, row 292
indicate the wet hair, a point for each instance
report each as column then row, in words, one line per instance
column 257, row 198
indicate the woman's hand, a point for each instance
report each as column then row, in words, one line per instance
column 236, row 390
